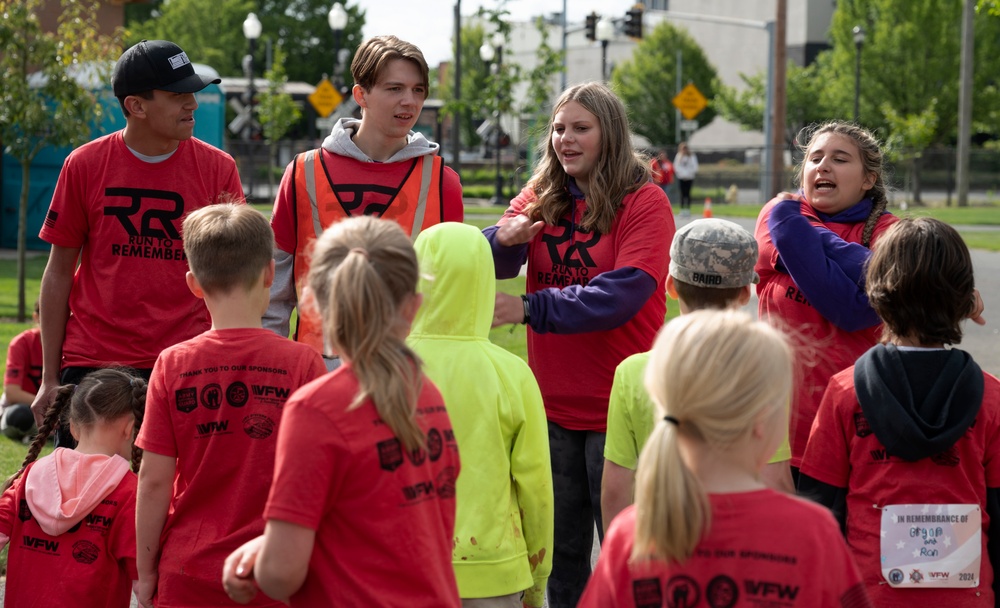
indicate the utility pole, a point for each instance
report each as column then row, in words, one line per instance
column 965, row 104
column 777, row 142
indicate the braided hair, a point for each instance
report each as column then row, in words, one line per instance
column 104, row 395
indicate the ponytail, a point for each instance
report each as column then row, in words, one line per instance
column 672, row 508
column 363, row 271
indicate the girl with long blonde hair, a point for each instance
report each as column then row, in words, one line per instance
column 362, row 508
column 703, row 523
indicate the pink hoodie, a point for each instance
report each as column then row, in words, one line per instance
column 65, row 486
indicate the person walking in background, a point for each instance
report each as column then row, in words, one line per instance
column 911, row 432
column 594, row 231
column 813, row 248
column 70, row 516
column 685, row 168
column 703, row 524
column 662, row 172
column 503, row 521
column 21, row 379
column 375, row 166
column 210, row 433
column 362, row 508
column 113, row 290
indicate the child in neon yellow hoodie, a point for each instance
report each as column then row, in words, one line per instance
column 504, row 519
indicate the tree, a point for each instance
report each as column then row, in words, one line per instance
column 276, row 111
column 803, row 102
column 49, row 109
column 217, row 42
column 299, row 26
column 646, row 83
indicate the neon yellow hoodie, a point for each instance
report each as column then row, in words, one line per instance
column 504, row 519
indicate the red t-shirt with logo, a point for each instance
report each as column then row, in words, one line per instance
column 24, row 361
column 214, row 403
column 575, row 371
column 384, row 518
column 92, row 564
column 129, row 299
column 845, row 453
column 764, row 548
column 821, row 348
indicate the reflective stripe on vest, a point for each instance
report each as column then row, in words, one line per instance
column 317, row 207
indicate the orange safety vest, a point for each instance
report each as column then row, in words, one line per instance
column 416, row 206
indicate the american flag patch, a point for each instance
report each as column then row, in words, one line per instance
column 50, row 219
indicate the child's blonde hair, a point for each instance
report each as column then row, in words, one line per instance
column 227, row 245
column 712, row 373
column 104, row 395
column 362, row 270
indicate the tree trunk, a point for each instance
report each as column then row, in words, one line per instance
column 22, row 236
column 917, row 167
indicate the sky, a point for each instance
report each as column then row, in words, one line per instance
column 429, row 24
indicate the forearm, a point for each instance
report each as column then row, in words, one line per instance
column 507, row 261
column 828, row 270
column 617, row 487
column 16, row 394
column 283, row 297
column 610, row 300
column 283, row 561
column 152, row 504
column 53, row 302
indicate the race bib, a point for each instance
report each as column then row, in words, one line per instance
column 925, row 546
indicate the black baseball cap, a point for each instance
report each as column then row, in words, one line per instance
column 157, row 64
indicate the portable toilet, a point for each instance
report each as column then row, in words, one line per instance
column 209, row 127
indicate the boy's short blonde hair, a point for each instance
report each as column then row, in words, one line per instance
column 227, row 245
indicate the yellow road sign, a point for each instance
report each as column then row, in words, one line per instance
column 325, row 98
column 690, row 101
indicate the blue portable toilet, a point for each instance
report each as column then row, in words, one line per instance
column 209, row 126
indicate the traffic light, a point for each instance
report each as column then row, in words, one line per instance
column 592, row 26
column 633, row 22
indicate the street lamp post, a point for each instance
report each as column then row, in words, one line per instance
column 251, row 29
column 490, row 51
column 859, row 41
column 337, row 18
column 605, row 31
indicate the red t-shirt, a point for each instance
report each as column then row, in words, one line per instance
column 94, row 560
column 384, row 518
column 844, row 452
column 214, row 404
column 360, row 186
column 575, row 371
column 129, row 299
column 764, row 548
column 24, row 361
column 821, row 348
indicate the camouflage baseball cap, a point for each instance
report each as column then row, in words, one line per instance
column 713, row 253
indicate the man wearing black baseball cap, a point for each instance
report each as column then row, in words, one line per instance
column 156, row 64
column 114, row 289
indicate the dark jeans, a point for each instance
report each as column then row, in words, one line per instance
column 577, row 466
column 73, row 375
column 686, row 193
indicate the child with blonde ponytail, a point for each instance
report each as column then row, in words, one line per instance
column 703, row 524
column 362, row 508
column 70, row 516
